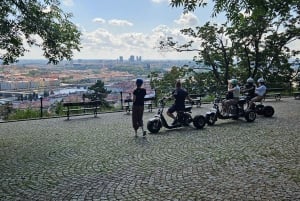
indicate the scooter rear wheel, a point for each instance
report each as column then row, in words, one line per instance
column 199, row 121
column 259, row 109
column 268, row 111
column 154, row 126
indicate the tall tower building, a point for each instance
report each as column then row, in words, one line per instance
column 131, row 58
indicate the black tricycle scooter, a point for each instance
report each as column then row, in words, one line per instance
column 183, row 118
column 260, row 109
column 235, row 111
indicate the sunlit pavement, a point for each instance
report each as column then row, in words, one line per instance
column 89, row 158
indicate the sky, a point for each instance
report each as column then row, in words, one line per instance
column 114, row 28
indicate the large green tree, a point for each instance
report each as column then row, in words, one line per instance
column 32, row 21
column 253, row 41
column 98, row 92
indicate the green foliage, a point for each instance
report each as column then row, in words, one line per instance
column 19, row 19
column 24, row 114
column 98, row 92
column 164, row 85
column 254, row 41
column 193, row 82
column 59, row 108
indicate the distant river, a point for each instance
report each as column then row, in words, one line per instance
column 69, row 90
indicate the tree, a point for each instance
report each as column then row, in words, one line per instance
column 257, row 34
column 30, row 21
column 98, row 92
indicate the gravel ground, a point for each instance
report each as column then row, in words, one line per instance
column 89, row 158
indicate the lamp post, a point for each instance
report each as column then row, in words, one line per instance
column 41, row 98
column 121, row 93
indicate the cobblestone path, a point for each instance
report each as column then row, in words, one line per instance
column 90, row 158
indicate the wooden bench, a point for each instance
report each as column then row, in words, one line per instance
column 83, row 108
column 197, row 99
column 296, row 95
column 148, row 103
column 274, row 93
column 128, row 105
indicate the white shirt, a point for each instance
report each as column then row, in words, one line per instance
column 261, row 90
column 236, row 92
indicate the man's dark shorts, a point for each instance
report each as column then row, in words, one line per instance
column 174, row 108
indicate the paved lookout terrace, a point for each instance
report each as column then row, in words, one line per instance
column 89, row 158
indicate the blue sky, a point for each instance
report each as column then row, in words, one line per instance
column 127, row 27
column 114, row 28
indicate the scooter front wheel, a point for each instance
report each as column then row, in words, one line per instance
column 211, row 119
column 154, row 126
column 199, row 121
column 250, row 115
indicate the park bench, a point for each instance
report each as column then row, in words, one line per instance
column 274, row 93
column 148, row 104
column 296, row 95
column 128, row 105
column 197, row 99
column 81, row 108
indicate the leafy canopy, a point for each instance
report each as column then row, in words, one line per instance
column 36, row 23
column 253, row 41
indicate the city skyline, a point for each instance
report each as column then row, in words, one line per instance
column 128, row 27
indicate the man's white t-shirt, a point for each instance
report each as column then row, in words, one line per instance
column 261, row 90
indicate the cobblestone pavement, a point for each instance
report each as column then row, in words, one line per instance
column 90, row 158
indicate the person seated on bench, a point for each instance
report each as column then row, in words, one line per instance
column 128, row 100
column 260, row 92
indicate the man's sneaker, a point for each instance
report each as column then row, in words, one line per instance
column 144, row 133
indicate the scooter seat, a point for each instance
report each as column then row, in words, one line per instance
column 187, row 108
column 242, row 101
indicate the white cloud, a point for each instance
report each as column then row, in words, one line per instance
column 101, row 43
column 116, row 22
column 160, row 1
column 68, row 2
column 188, row 19
column 99, row 20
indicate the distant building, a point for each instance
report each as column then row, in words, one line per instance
column 121, row 59
column 139, row 58
column 131, row 58
column 29, row 85
column 147, row 66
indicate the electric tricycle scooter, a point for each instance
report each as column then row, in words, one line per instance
column 235, row 111
column 183, row 118
column 260, row 109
